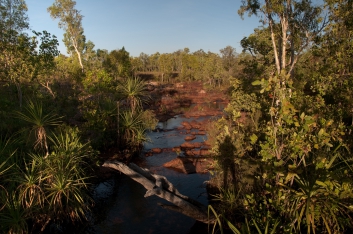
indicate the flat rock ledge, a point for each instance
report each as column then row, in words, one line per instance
column 189, row 165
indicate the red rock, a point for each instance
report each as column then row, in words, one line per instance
column 187, row 145
column 203, row 165
column 181, row 164
column 195, row 124
column 202, row 152
column 190, row 165
column 176, row 149
column 197, row 144
column 190, row 138
column 205, row 152
column 189, row 153
column 156, row 150
column 186, row 125
column 200, row 133
column 148, row 154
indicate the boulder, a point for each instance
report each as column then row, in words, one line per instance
column 182, row 165
column 190, row 165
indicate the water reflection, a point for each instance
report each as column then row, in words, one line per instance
column 122, row 205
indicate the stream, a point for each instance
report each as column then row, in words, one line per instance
column 120, row 203
column 123, row 207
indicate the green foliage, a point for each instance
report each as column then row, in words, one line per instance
column 97, row 81
column 39, row 121
column 13, row 217
column 50, row 189
column 134, row 92
column 295, row 128
column 117, row 63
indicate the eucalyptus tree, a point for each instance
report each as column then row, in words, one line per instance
column 229, row 58
column 213, row 70
column 229, row 55
column 70, row 19
column 189, row 65
column 144, row 58
column 293, row 24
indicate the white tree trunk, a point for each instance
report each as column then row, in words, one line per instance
column 78, row 53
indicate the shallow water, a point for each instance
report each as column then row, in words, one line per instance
column 122, row 205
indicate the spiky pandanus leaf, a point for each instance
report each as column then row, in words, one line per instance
column 34, row 115
column 134, row 91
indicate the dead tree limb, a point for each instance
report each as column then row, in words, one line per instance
column 161, row 187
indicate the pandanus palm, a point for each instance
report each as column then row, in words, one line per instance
column 134, row 91
column 131, row 124
column 53, row 188
column 34, row 115
column 7, row 153
column 66, row 179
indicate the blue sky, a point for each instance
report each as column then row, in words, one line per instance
column 152, row 26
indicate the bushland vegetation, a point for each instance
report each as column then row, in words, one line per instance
column 282, row 150
column 57, row 114
column 284, row 147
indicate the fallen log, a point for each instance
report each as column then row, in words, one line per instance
column 159, row 185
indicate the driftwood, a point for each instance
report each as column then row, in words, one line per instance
column 161, row 187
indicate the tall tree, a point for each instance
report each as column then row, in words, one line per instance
column 70, row 20
column 293, row 24
column 229, row 57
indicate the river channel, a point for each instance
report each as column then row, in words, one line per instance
column 120, row 203
column 123, row 207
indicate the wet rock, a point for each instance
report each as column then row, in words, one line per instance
column 206, row 146
column 199, row 133
column 195, row 124
column 148, row 154
column 190, row 165
column 176, row 149
column 197, row 144
column 187, row 145
column 156, row 150
column 182, row 165
column 194, row 152
column 201, row 152
column 190, row 138
column 186, row 125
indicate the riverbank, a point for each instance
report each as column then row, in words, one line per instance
column 178, row 150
